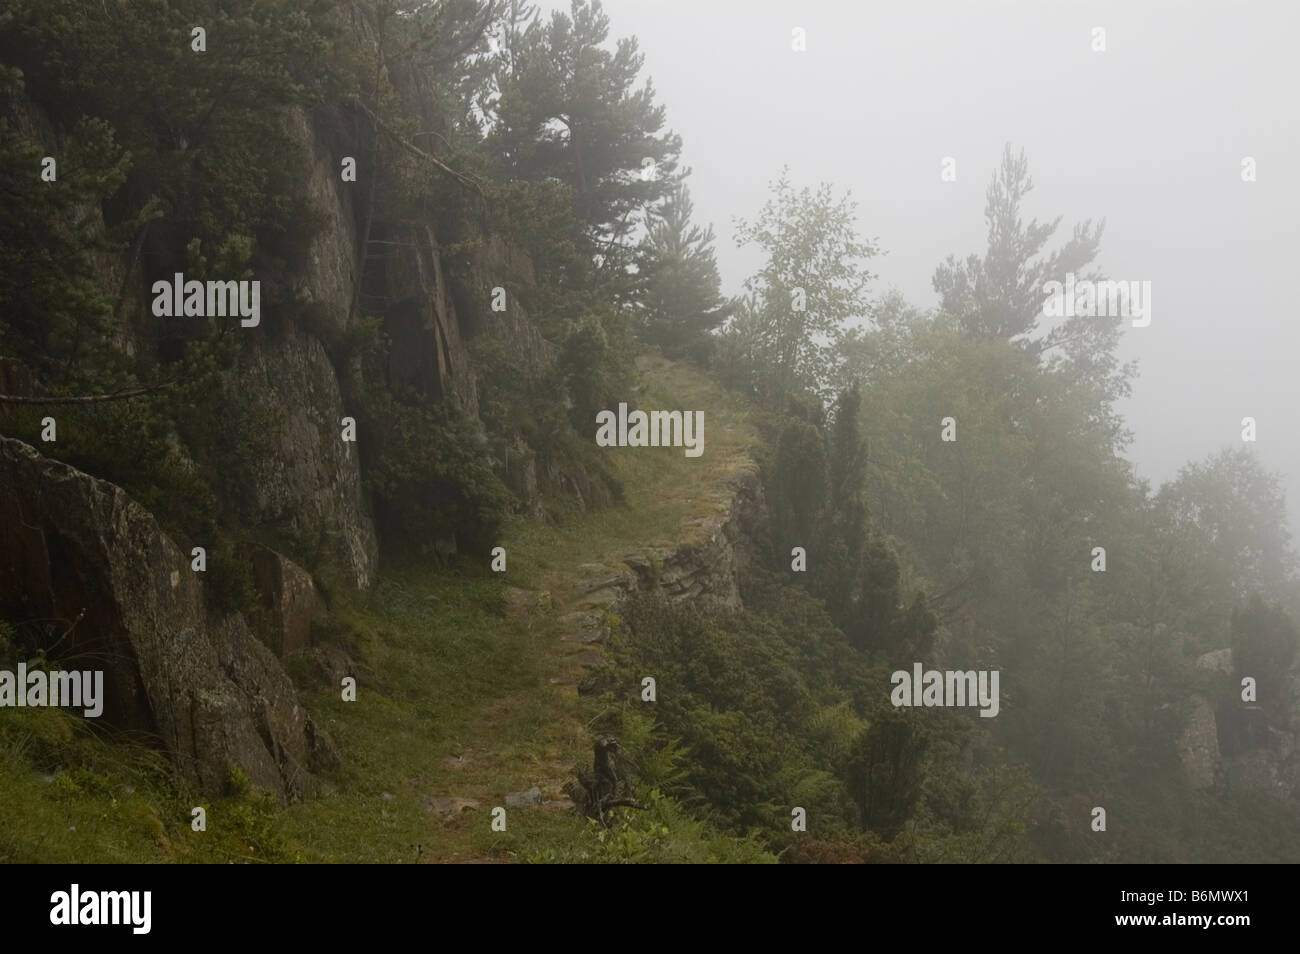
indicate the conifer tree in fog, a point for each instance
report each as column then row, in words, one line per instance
column 680, row 298
column 568, row 109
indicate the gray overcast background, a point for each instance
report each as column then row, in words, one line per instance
column 1148, row 135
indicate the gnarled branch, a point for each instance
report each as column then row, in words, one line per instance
column 462, row 178
column 121, row 395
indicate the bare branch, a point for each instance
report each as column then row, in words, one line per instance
column 120, row 395
column 410, row 147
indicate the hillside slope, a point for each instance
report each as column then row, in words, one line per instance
column 467, row 685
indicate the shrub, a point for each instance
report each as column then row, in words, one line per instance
column 431, row 474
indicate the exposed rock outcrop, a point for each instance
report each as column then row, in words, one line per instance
column 206, row 685
column 325, row 283
column 410, row 290
column 289, row 601
column 76, row 548
column 1240, row 746
column 1218, row 660
column 708, row 569
column 726, row 545
column 304, row 477
column 491, row 263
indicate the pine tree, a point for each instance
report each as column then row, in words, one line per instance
column 680, row 299
column 1001, row 295
column 568, row 111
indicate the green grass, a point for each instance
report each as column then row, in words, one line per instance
column 457, row 699
column 69, row 795
column 461, row 708
column 666, row 493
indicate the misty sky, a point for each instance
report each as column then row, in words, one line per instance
column 1148, row 135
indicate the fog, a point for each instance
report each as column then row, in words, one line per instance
column 1148, row 135
column 448, row 526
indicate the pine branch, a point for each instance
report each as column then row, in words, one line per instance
column 474, row 34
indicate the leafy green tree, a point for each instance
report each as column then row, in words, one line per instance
column 454, row 42
column 883, row 345
column 814, row 483
column 204, row 134
column 1264, row 644
column 843, row 541
column 1234, row 513
column 811, row 284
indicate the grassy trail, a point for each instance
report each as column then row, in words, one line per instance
column 466, row 692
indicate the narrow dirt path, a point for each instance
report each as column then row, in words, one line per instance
column 571, row 577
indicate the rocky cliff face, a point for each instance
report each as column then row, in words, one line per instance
column 709, row 569
column 204, row 685
column 1237, row 745
column 712, row 567
column 305, row 478
column 118, row 595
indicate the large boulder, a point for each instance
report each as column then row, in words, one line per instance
column 78, row 550
column 1217, row 660
column 289, row 602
